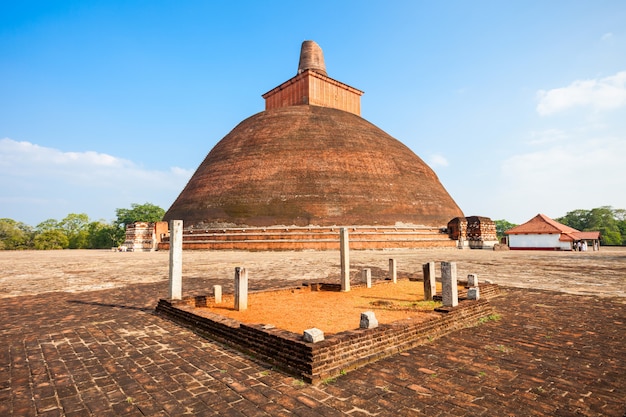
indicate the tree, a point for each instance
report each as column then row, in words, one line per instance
column 608, row 221
column 51, row 239
column 103, row 235
column 502, row 226
column 75, row 228
column 577, row 219
column 139, row 213
column 50, row 224
column 15, row 235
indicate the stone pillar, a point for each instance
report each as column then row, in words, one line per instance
column 393, row 270
column 367, row 277
column 344, row 245
column 176, row 259
column 313, row 335
column 473, row 293
column 430, row 284
column 472, row 280
column 449, row 290
column 241, row 289
column 217, row 293
column 368, row 320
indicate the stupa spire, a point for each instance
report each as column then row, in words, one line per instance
column 311, row 58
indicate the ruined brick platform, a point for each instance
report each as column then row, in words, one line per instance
column 338, row 353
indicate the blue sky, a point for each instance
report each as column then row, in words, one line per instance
column 518, row 106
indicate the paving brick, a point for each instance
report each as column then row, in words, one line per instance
column 101, row 348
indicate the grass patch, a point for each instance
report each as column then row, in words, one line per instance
column 329, row 380
column 491, row 317
column 298, row 383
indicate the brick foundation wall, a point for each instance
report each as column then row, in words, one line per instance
column 314, row 362
column 317, row 238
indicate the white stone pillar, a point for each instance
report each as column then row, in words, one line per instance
column 241, row 289
column 472, row 280
column 368, row 320
column 176, row 259
column 393, row 270
column 313, row 335
column 473, row 293
column 449, row 289
column 430, row 283
column 217, row 293
column 344, row 246
column 367, row 277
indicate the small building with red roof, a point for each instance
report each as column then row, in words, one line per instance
column 543, row 233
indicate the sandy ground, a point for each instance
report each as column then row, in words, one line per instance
column 600, row 273
column 296, row 310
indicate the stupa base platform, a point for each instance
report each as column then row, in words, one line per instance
column 312, row 238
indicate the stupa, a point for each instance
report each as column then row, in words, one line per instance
column 310, row 159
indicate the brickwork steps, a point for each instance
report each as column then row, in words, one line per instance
column 319, row 238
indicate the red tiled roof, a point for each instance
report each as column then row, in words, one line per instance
column 542, row 224
column 586, row 235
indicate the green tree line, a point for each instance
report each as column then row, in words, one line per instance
column 75, row 231
column 610, row 222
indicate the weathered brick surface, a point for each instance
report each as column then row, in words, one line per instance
column 317, row 238
column 310, row 165
column 106, row 354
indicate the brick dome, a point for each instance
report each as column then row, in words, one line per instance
column 311, row 165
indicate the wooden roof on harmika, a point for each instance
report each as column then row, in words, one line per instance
column 310, row 159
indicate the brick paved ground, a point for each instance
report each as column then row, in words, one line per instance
column 104, row 353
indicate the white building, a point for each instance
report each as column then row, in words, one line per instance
column 543, row 233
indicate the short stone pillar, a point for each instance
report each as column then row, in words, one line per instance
column 430, row 283
column 241, row 289
column 393, row 270
column 449, row 290
column 217, row 293
column 366, row 273
column 368, row 320
column 473, row 293
column 176, row 259
column 472, row 280
column 313, row 335
column 344, row 246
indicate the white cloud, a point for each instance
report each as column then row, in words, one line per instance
column 547, row 136
column 437, row 160
column 38, row 182
column 600, row 94
column 563, row 177
column 607, row 36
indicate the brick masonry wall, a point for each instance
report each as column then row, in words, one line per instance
column 479, row 231
column 318, row 238
column 315, row 89
column 314, row 362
